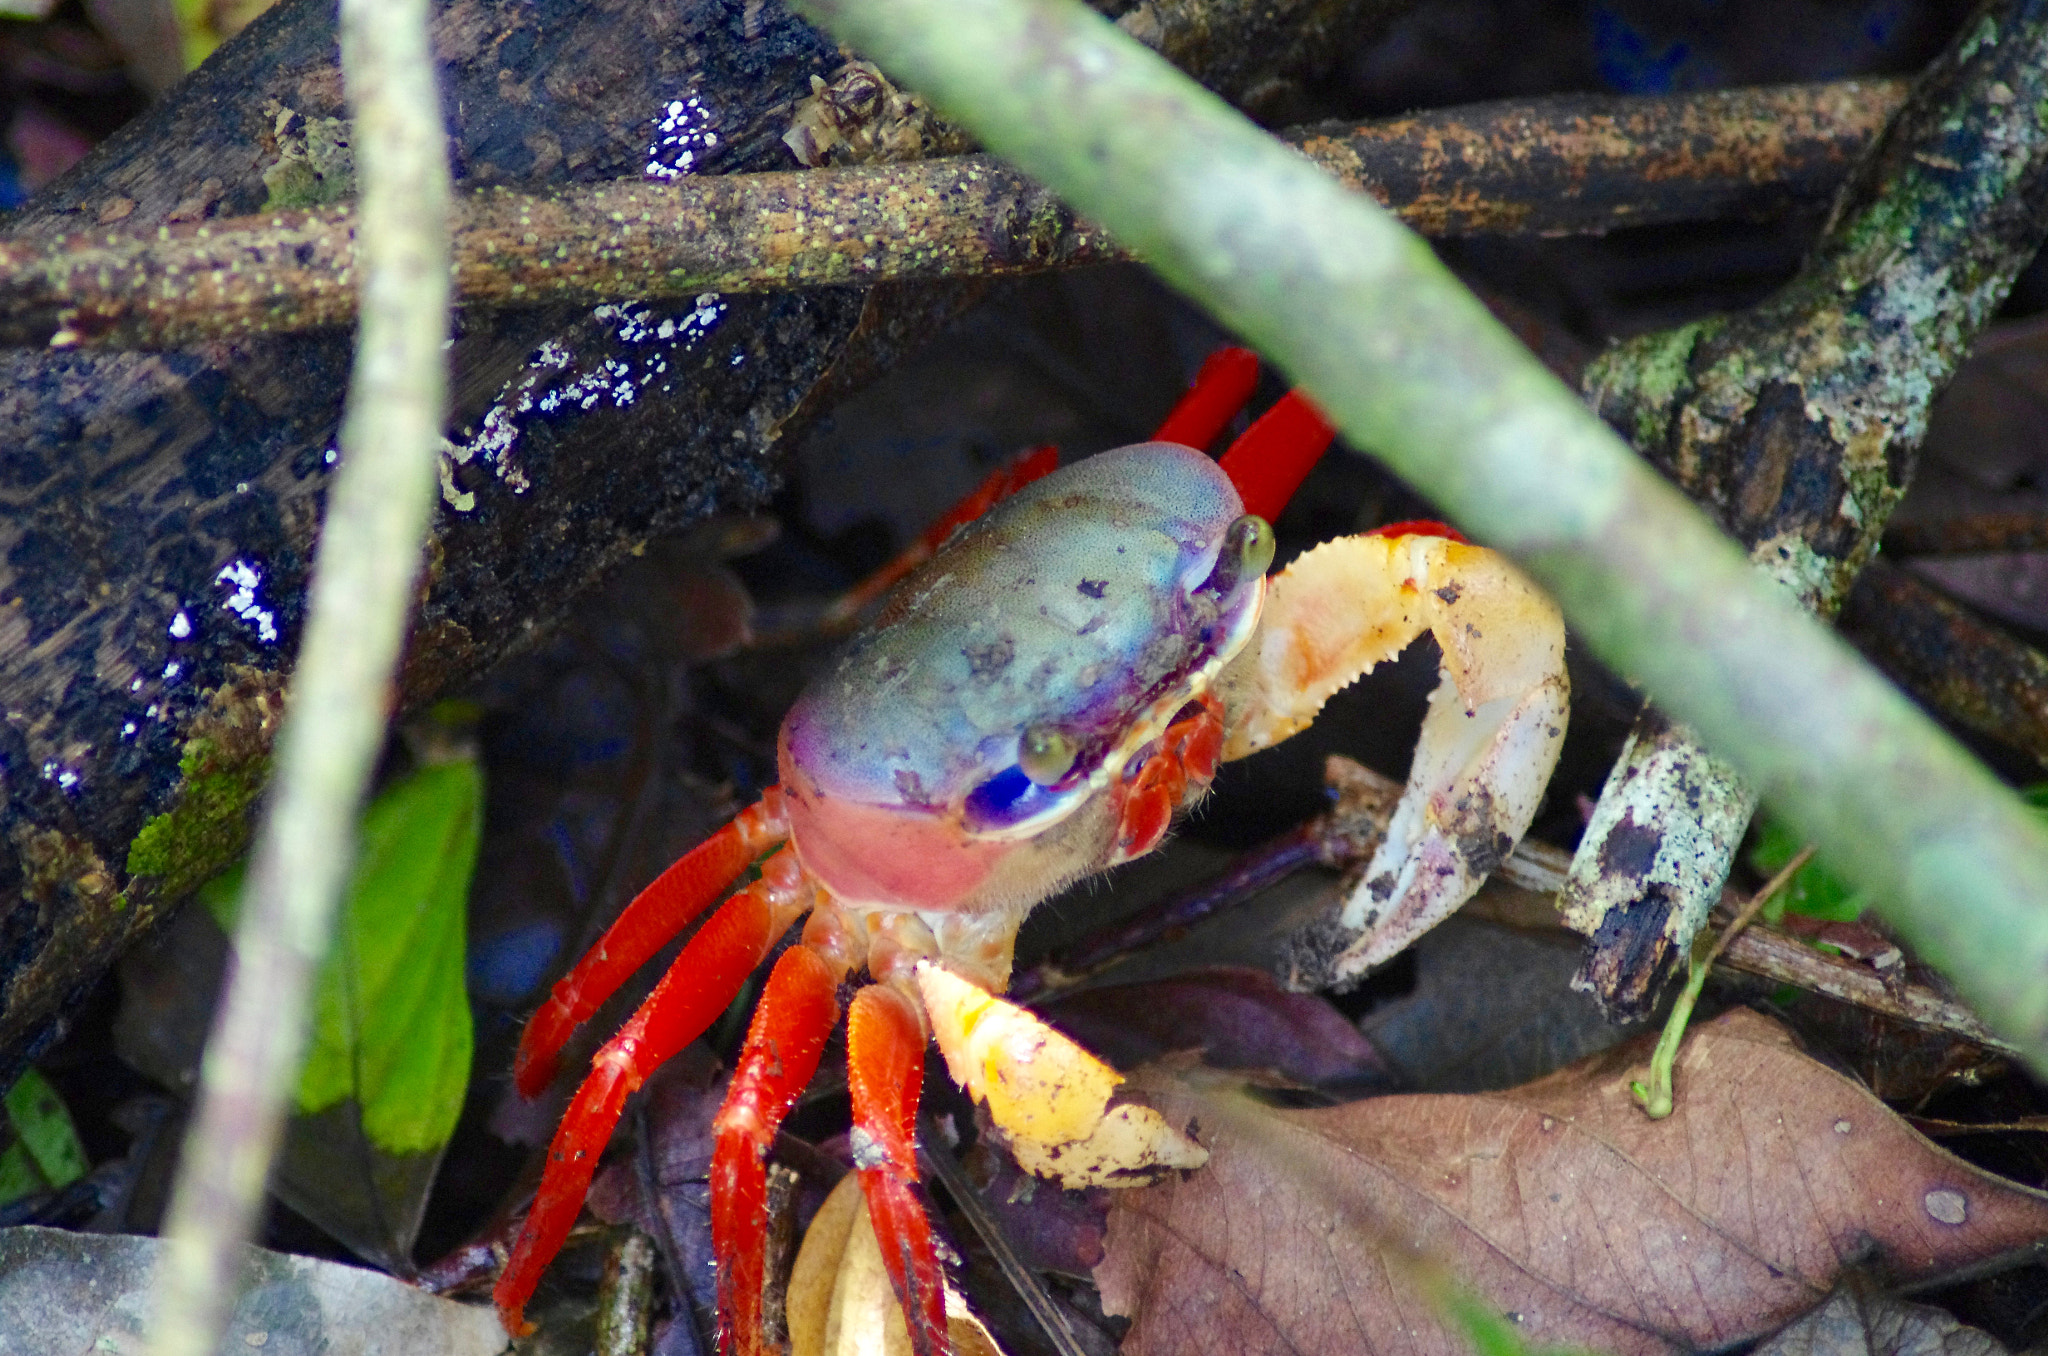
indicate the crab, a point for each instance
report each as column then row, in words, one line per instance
column 1035, row 703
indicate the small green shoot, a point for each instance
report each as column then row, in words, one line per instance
column 1656, row 1096
column 45, row 1152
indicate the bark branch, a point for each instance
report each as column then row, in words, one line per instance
column 1798, row 425
column 1977, row 674
column 1410, row 365
column 1571, row 164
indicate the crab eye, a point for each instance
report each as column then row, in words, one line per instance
column 995, row 799
column 1045, row 755
column 1246, row 553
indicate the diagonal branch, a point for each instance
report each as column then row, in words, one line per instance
column 1570, row 164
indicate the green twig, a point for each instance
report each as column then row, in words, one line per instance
column 1656, row 1094
column 1410, row 365
column 363, row 584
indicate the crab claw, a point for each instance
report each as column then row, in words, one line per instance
column 1488, row 743
column 1048, row 1095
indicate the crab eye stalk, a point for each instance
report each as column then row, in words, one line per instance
column 1045, row 754
column 1246, row 553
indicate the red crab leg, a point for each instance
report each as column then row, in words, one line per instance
column 799, row 1005
column 1220, row 390
column 649, row 923
column 1270, row 459
column 1420, row 527
column 885, row 1072
column 689, row 998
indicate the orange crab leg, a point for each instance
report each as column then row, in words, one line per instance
column 1221, row 388
column 689, row 998
column 649, row 923
column 799, row 1005
column 885, row 1072
column 1270, row 459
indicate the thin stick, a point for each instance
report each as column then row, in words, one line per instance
column 363, row 585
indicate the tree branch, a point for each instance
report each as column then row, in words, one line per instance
column 1570, row 164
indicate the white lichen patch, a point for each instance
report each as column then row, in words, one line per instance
column 556, row 382
column 685, row 133
column 1797, row 567
column 245, row 579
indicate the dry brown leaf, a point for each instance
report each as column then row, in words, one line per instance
column 1861, row 1320
column 840, row 1300
column 1557, row 1203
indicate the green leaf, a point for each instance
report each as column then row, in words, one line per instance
column 46, row 1152
column 391, row 1021
column 1815, row 890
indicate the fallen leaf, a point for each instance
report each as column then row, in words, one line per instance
column 69, row 1292
column 388, row 1057
column 45, row 1152
column 1861, row 1320
column 1237, row 1015
column 1557, row 1203
column 840, row 1300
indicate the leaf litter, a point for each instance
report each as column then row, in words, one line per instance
column 1558, row 1203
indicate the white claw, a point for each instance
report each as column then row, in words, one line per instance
column 1488, row 743
column 1476, row 783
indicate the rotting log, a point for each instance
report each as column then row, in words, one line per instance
column 160, row 509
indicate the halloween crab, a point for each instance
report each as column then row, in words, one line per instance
column 1034, row 704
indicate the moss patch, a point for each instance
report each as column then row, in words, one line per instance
column 201, row 835
column 226, row 763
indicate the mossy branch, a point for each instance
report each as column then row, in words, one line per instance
column 1411, row 366
column 1798, row 425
